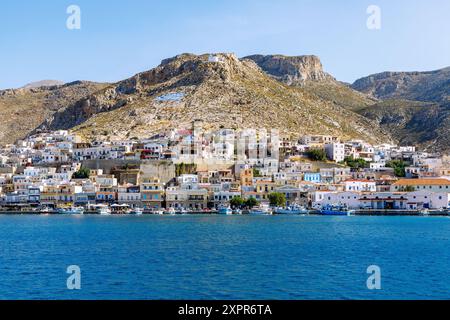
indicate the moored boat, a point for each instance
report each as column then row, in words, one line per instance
column 336, row 210
column 237, row 211
column 71, row 210
column 225, row 210
column 291, row 210
column 262, row 209
column 103, row 210
column 47, row 210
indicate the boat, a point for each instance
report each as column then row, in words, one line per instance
column 336, row 210
column 262, row 209
column 103, row 210
column 424, row 212
column 137, row 211
column 237, row 211
column 291, row 210
column 46, row 210
column 224, row 210
column 71, row 210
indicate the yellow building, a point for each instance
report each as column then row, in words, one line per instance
column 264, row 188
column 247, row 177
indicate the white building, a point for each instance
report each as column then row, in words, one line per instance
column 187, row 179
column 335, row 151
column 350, row 199
column 360, row 186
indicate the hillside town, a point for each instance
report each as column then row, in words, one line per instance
column 196, row 171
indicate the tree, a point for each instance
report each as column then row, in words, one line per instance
column 398, row 166
column 256, row 173
column 237, row 202
column 317, row 154
column 277, row 199
column 83, row 173
column 356, row 163
column 251, row 202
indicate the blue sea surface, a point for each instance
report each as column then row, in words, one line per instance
column 224, row 257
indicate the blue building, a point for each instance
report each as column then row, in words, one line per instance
column 313, row 177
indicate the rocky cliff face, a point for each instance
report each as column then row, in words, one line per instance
column 23, row 110
column 422, row 86
column 220, row 89
column 415, row 106
column 292, row 94
column 292, row 70
column 411, row 106
column 425, row 124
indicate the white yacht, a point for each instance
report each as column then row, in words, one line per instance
column 262, row 209
column 103, row 210
column 71, row 210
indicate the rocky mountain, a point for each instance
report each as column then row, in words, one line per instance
column 220, row 89
column 292, row 70
column 422, row 86
column 23, row 110
column 411, row 106
column 425, row 124
column 293, row 94
column 307, row 72
column 415, row 106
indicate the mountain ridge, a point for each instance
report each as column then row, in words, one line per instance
column 229, row 92
column 422, row 86
column 293, row 94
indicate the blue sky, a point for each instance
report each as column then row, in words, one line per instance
column 120, row 38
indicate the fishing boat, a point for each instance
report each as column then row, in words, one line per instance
column 71, row 210
column 103, row 210
column 225, row 210
column 336, row 210
column 291, row 210
column 262, row 209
